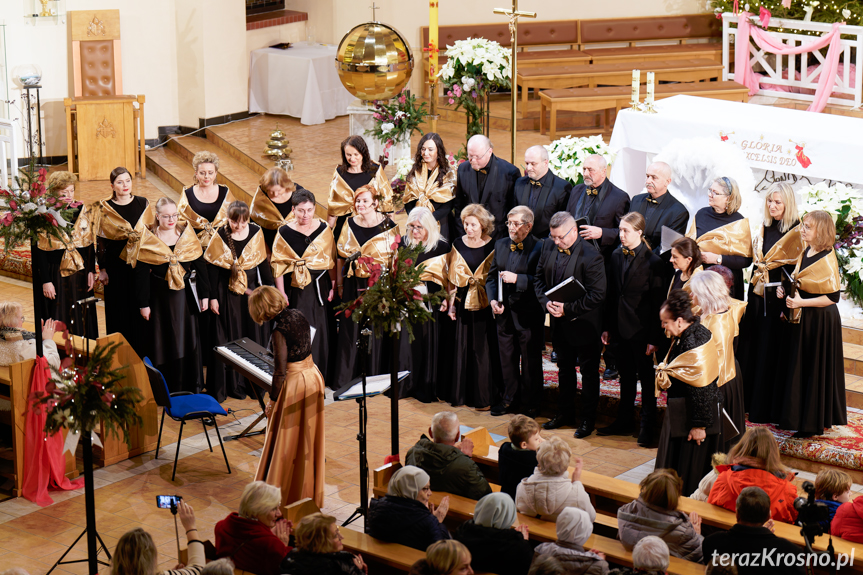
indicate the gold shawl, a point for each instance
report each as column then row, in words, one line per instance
column 436, row 270
column 697, row 367
column 112, row 226
column 784, row 252
column 319, row 255
column 820, row 278
column 152, row 250
column 265, row 213
column 734, row 239
column 461, row 276
column 206, row 228
column 423, row 188
column 341, row 198
column 725, row 327
column 377, row 248
column 82, row 237
column 219, row 254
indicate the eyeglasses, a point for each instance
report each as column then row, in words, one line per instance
column 515, row 225
column 412, row 227
column 170, row 216
column 553, row 237
column 712, row 194
column 481, row 156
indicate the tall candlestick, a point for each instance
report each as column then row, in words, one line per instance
column 649, row 98
column 433, row 40
column 636, row 87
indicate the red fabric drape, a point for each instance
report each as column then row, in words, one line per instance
column 44, row 462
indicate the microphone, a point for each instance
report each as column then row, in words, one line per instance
column 90, row 299
column 353, row 257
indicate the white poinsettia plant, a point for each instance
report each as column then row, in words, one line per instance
column 566, row 156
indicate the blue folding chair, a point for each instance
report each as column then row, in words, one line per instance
column 184, row 406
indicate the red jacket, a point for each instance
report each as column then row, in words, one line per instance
column 848, row 521
column 250, row 544
column 733, row 479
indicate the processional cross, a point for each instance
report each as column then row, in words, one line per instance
column 513, row 14
column 374, row 14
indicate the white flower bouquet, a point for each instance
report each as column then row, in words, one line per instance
column 566, row 156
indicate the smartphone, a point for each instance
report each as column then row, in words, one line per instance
column 168, row 501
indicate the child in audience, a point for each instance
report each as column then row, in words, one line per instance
column 832, row 488
column 517, row 457
column 706, row 483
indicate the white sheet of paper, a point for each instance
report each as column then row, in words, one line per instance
column 669, row 236
column 375, row 384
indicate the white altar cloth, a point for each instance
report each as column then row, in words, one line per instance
column 830, row 146
column 301, row 82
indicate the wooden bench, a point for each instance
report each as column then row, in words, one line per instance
column 619, row 74
column 616, row 98
column 602, row 38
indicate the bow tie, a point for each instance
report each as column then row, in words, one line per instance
column 482, row 171
column 536, row 183
column 652, row 201
column 592, row 191
column 628, row 252
column 565, row 251
column 519, row 246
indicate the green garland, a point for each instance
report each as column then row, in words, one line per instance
column 822, row 10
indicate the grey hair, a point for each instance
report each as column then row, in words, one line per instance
column 650, row 554
column 426, row 220
column 603, row 163
column 482, row 139
column 711, row 290
column 541, row 150
column 525, row 212
column 445, row 427
column 258, row 499
column 560, row 219
column 553, row 455
column 666, row 169
column 223, row 566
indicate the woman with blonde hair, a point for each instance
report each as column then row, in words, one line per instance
column 293, row 452
column 271, row 206
column 448, row 557
column 168, row 254
column 723, row 233
column 237, row 255
column 775, row 248
column 320, row 551
column 63, row 271
column 136, row 552
column 18, row 344
column 812, row 392
column 427, row 356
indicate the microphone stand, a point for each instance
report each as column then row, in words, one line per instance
column 363, row 509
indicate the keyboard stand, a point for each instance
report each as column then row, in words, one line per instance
column 248, row 431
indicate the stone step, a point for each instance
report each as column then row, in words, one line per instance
column 241, row 180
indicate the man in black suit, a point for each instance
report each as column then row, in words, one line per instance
column 485, row 179
column 603, row 204
column 540, row 190
column 751, row 546
column 575, row 324
column 520, row 326
column 660, row 208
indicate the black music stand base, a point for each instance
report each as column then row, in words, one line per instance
column 248, row 431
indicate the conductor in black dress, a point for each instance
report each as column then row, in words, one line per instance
column 659, row 207
column 485, row 179
column 518, row 315
column 575, row 325
column 540, row 190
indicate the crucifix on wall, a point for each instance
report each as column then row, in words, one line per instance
column 514, row 14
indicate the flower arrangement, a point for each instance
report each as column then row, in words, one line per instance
column 808, row 10
column 392, row 297
column 845, row 205
column 32, row 211
column 566, row 156
column 474, row 67
column 397, row 119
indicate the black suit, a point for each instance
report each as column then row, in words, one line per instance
column 752, row 542
column 669, row 212
column 520, row 328
column 548, row 198
column 636, row 290
column 495, row 193
column 604, row 211
column 576, row 334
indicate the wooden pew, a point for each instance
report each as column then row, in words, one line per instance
column 685, row 35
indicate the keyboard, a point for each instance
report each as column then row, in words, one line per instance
column 249, row 359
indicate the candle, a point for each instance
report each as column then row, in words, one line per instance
column 433, row 40
column 636, row 85
column 649, row 98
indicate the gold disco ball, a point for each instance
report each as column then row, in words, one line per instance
column 374, row 61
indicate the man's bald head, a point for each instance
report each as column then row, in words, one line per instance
column 479, row 150
column 536, row 162
column 659, row 175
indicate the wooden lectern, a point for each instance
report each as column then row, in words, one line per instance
column 104, row 128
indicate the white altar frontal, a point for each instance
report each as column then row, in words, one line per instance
column 805, row 146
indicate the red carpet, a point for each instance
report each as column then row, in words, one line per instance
column 840, row 446
column 16, row 264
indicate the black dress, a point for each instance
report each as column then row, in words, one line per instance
column 70, row 289
column 761, row 333
column 476, row 364
column 690, row 460
column 121, row 308
column 811, row 395
column 427, row 357
column 234, row 320
column 311, row 300
column 347, row 361
column 707, row 220
column 172, row 336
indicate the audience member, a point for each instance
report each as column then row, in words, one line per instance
column 832, row 488
column 712, row 569
column 18, row 344
column 755, row 461
column 448, row 557
column 404, row 515
column 319, row 550
column 496, row 547
column 136, row 552
column 574, row 528
column 256, row 538
column 549, row 490
column 706, row 483
column 546, row 565
column 516, row 458
column 222, row 566
column 649, row 557
column 750, row 540
column 448, row 463
column 655, row 513
column 848, row 521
